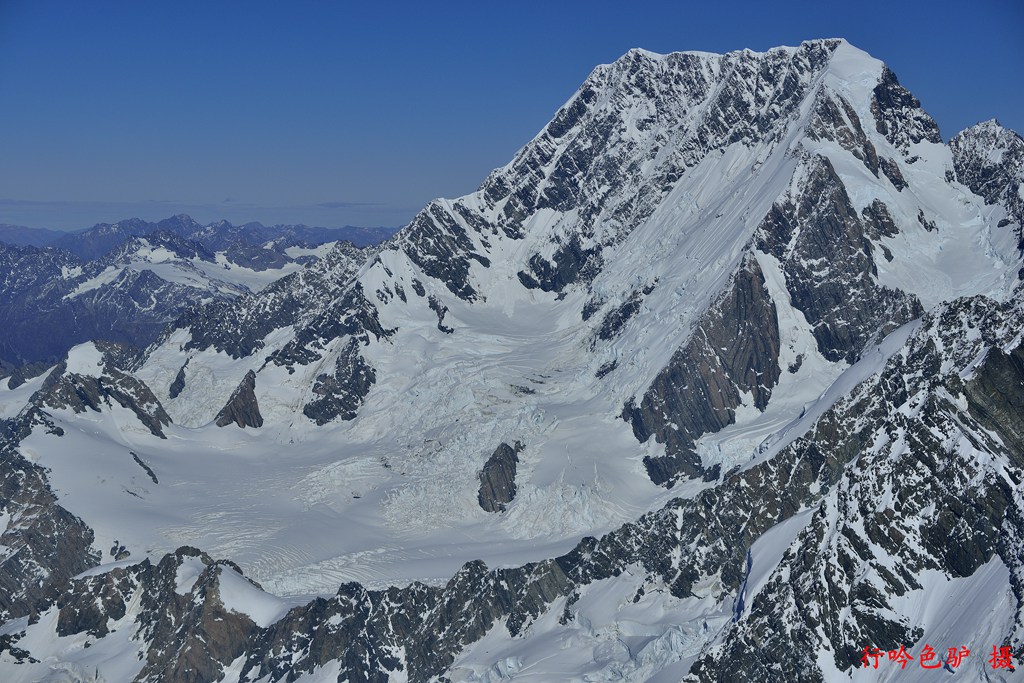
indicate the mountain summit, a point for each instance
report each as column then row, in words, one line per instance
column 720, row 377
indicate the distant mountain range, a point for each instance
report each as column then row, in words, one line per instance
column 28, row 237
column 102, row 238
column 124, row 282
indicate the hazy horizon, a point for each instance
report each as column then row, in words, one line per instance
column 356, row 115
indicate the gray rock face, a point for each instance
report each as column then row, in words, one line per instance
column 149, row 470
column 498, row 478
column 18, row 375
column 441, row 310
column 616, row 319
column 178, row 385
column 899, row 116
column 989, row 159
column 43, row 546
column 826, row 255
column 734, row 349
column 835, row 119
column 440, row 246
column 945, row 510
column 352, row 315
column 62, row 389
column 183, row 637
column 995, row 398
column 341, row 393
column 238, row 327
column 242, row 408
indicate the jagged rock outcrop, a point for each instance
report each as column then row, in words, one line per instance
column 340, row 394
column 995, row 398
column 899, row 116
column 42, row 545
column 176, row 387
column 177, row 608
column 441, row 310
column 734, row 350
column 614, row 320
column 18, row 375
column 498, row 478
column 919, row 500
column 100, row 387
column 242, row 408
column 989, row 159
column 825, row 250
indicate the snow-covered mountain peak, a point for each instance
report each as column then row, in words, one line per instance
column 609, row 156
column 989, row 159
column 990, row 133
column 1000, row 150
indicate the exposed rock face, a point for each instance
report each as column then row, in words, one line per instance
column 63, row 389
column 353, row 315
column 995, row 398
column 835, row 120
column 498, row 478
column 899, row 116
column 989, row 159
column 341, row 394
column 16, row 376
column 825, row 251
column 440, row 246
column 440, row 309
column 178, row 384
column 239, row 327
column 193, row 635
column 946, row 510
column 735, row 349
column 242, row 408
column 149, row 470
column 187, row 632
column 42, row 545
column 616, row 319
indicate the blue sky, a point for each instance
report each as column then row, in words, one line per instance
column 335, row 113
